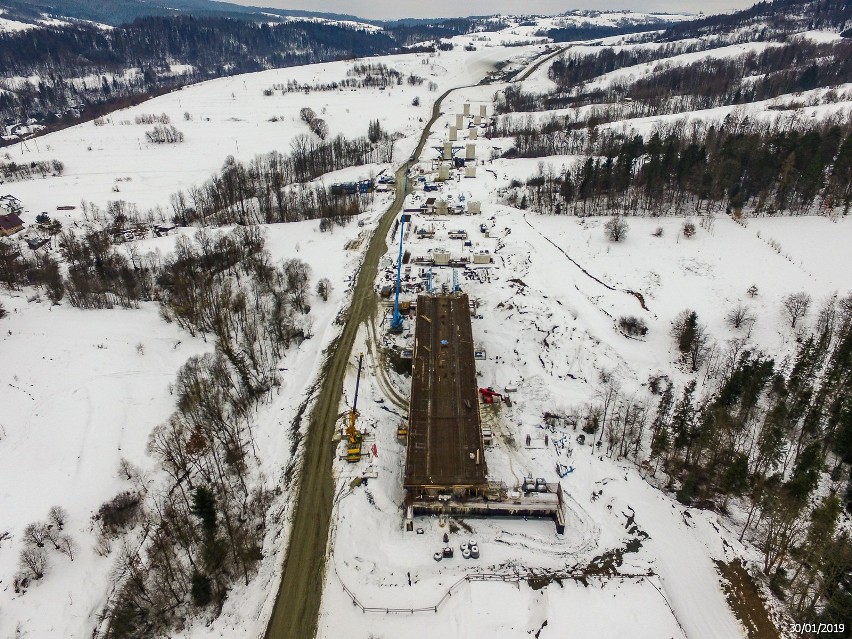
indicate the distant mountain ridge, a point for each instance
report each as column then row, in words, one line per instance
column 117, row 12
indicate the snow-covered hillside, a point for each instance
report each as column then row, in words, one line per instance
column 82, row 390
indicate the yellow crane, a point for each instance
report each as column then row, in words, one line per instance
column 353, row 436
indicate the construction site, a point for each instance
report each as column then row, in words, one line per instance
column 428, row 323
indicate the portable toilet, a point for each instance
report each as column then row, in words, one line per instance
column 471, row 134
column 448, row 150
column 477, row 120
column 474, row 207
column 454, row 134
column 483, row 110
column 467, row 108
column 441, row 207
column 470, row 171
column 443, row 173
column 459, row 121
column 470, row 152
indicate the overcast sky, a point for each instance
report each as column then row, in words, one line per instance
column 391, row 9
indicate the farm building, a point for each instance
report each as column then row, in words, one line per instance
column 10, row 224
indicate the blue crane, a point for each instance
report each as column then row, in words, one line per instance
column 396, row 322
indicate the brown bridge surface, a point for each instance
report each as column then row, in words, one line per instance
column 444, row 434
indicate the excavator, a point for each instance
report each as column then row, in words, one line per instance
column 353, row 435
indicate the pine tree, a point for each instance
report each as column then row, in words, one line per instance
column 204, row 507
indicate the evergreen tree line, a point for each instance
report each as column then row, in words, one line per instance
column 772, row 18
column 765, row 171
column 774, row 440
column 61, row 56
column 589, row 31
column 574, row 67
column 799, row 65
column 410, row 32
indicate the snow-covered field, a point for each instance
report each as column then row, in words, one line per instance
column 81, row 390
column 231, row 116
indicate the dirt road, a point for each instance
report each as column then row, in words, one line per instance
column 297, row 605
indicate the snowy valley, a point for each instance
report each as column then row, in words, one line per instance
column 659, row 274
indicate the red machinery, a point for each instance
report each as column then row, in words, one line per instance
column 488, row 395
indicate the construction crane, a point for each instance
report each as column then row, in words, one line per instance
column 396, row 322
column 353, row 436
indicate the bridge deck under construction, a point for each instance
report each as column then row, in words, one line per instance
column 444, row 432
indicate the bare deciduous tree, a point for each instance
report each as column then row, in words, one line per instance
column 320, row 128
column 34, row 560
column 58, row 516
column 36, row 533
column 796, row 306
column 308, row 115
column 66, row 546
column 739, row 316
column 616, row 229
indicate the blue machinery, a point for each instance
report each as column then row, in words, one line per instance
column 396, row 322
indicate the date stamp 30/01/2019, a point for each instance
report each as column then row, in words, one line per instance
column 810, row 629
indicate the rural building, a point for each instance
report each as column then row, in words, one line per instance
column 440, row 257
column 10, row 224
column 445, row 453
column 482, row 257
